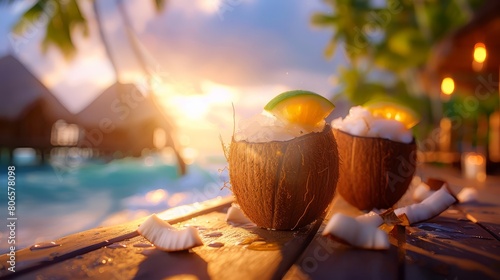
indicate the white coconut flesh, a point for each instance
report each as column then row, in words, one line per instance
column 168, row 238
column 236, row 217
column 430, row 207
column 361, row 233
column 422, row 191
column 371, row 218
column 360, row 122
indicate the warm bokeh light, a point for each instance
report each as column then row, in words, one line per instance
column 479, row 53
column 64, row 134
column 474, row 166
column 448, row 86
column 189, row 155
column 177, row 198
column 156, row 196
column 398, row 117
column 159, row 138
column 477, row 159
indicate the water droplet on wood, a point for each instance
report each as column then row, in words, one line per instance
column 116, row 246
column 44, row 245
column 214, row 234
column 143, row 245
column 263, row 246
column 216, row 244
column 249, row 240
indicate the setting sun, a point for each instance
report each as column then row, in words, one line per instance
column 189, row 107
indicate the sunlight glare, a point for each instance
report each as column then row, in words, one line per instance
column 210, row 6
column 217, row 93
column 189, row 154
column 194, row 107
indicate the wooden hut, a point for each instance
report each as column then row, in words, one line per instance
column 470, row 60
column 454, row 57
column 28, row 110
column 123, row 122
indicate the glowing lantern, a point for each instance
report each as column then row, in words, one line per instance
column 479, row 52
column 448, row 86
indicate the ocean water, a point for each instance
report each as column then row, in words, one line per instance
column 52, row 202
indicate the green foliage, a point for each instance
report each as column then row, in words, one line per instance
column 395, row 39
column 159, row 5
column 61, row 20
column 61, row 17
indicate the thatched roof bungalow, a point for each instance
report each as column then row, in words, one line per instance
column 470, row 57
column 28, row 110
column 454, row 57
column 123, row 121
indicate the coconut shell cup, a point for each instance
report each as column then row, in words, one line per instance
column 285, row 185
column 374, row 172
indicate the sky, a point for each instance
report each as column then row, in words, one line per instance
column 207, row 56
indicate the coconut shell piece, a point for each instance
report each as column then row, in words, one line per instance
column 435, row 183
column 285, row 185
column 374, row 172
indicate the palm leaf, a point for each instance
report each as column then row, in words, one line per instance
column 28, row 21
column 159, row 5
column 323, row 20
column 61, row 19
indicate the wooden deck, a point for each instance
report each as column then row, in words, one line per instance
column 462, row 243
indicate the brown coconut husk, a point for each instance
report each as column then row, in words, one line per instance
column 435, row 183
column 375, row 172
column 285, row 185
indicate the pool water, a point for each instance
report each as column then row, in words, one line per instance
column 51, row 203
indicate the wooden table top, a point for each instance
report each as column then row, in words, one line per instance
column 462, row 243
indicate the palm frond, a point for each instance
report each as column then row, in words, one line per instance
column 159, row 5
column 58, row 19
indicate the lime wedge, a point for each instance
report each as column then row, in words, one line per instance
column 301, row 107
column 393, row 111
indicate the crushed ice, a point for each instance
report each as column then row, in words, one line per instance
column 265, row 127
column 361, row 122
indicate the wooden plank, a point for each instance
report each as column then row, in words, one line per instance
column 474, row 219
column 328, row 259
column 84, row 242
column 450, row 246
column 486, row 210
column 233, row 260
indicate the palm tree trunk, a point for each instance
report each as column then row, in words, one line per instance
column 132, row 38
column 105, row 41
column 139, row 55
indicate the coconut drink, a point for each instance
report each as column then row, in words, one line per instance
column 378, row 155
column 283, row 163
